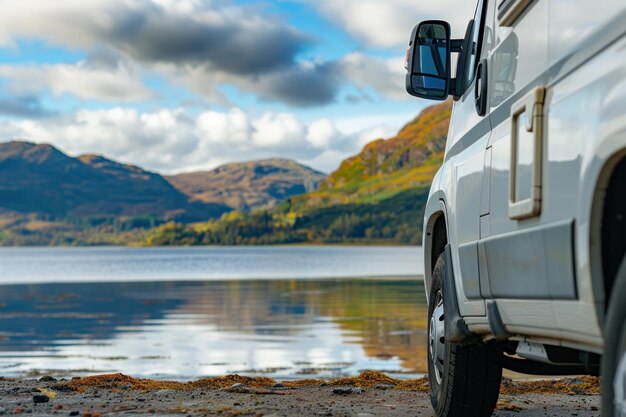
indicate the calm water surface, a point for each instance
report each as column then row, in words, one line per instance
column 45, row 265
column 187, row 313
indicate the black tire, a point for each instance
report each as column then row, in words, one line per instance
column 614, row 340
column 471, row 377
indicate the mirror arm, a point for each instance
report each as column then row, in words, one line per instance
column 456, row 45
column 452, row 88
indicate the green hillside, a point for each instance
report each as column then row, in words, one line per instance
column 385, row 168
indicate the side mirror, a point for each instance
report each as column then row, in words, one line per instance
column 428, row 61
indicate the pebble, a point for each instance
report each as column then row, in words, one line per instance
column 383, row 386
column 74, row 413
column 278, row 385
column 574, row 381
column 40, row 399
column 347, row 391
column 240, row 388
column 47, row 378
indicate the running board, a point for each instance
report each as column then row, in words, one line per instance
column 526, row 366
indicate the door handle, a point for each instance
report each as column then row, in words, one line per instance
column 481, row 87
column 533, row 105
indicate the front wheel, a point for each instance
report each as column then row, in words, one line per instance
column 464, row 380
column 614, row 358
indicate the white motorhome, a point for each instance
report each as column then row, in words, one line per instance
column 525, row 226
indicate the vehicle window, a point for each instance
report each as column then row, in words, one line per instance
column 504, row 70
column 475, row 44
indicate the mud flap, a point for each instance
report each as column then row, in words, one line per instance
column 456, row 328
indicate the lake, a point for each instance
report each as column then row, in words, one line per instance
column 185, row 313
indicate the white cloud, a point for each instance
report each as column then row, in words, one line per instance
column 386, row 76
column 174, row 141
column 272, row 130
column 82, row 80
column 60, row 21
column 225, row 36
column 201, row 45
column 233, row 126
column 389, row 23
column 206, row 43
column 321, row 133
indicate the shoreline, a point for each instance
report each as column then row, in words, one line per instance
column 368, row 394
column 389, row 278
column 374, row 244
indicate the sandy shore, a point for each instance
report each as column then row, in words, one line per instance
column 370, row 394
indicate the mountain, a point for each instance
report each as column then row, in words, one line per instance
column 385, row 168
column 248, row 186
column 378, row 195
column 39, row 178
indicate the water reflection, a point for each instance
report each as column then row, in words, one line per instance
column 280, row 328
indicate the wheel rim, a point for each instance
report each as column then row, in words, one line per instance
column 619, row 388
column 436, row 338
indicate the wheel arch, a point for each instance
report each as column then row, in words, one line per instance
column 607, row 238
column 435, row 237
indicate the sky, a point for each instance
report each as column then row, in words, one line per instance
column 184, row 85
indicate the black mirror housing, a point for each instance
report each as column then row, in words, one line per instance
column 428, row 61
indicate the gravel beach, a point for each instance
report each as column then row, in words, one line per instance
column 369, row 394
